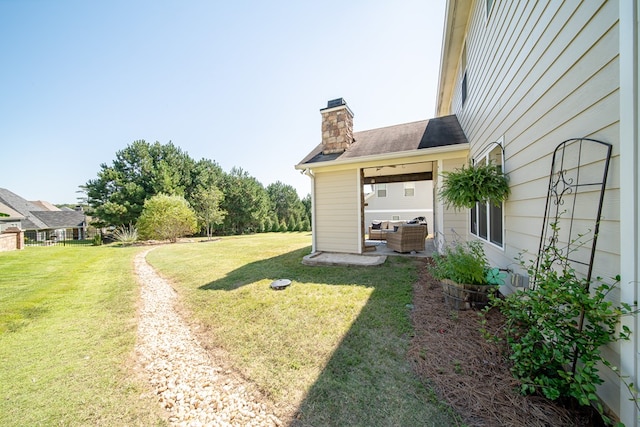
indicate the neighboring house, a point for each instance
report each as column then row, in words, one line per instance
column 42, row 221
column 516, row 79
column 521, row 77
column 345, row 162
column 9, row 217
column 399, row 201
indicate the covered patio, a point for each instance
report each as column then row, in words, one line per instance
column 379, row 247
column 346, row 161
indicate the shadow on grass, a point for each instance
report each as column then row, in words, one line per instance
column 368, row 380
column 289, row 266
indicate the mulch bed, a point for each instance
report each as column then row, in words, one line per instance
column 472, row 375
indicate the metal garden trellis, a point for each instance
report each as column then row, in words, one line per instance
column 579, row 169
column 579, row 172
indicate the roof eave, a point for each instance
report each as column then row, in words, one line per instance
column 455, row 26
column 12, row 218
column 385, row 156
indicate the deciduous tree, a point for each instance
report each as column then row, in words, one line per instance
column 206, row 203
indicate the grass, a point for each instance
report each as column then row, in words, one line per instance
column 330, row 349
column 67, row 332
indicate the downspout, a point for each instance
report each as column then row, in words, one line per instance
column 310, row 174
column 629, row 199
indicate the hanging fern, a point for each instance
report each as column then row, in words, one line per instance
column 464, row 187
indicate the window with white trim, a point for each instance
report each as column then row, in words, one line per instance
column 463, row 68
column 487, row 218
column 409, row 189
column 381, row 190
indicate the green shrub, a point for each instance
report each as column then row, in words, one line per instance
column 97, row 240
column 461, row 263
column 166, row 217
column 555, row 329
column 126, row 235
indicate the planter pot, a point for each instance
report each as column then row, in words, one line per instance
column 463, row 296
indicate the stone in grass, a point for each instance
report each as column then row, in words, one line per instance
column 280, row 284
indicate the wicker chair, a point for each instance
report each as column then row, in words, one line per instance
column 409, row 237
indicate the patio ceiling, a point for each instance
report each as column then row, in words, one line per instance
column 422, row 171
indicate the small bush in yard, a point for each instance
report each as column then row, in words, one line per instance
column 554, row 331
column 126, row 235
column 167, row 218
column 97, row 240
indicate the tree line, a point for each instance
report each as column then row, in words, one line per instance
column 221, row 203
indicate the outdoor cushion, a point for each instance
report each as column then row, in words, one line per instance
column 408, row 238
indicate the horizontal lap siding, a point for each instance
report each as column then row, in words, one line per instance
column 455, row 222
column 539, row 73
column 337, row 208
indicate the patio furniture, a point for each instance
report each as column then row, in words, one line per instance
column 409, row 237
column 378, row 229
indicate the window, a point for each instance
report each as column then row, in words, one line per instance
column 381, row 190
column 464, row 88
column 463, row 68
column 489, row 5
column 409, row 189
column 486, row 218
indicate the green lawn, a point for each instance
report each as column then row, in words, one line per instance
column 330, row 348
column 67, row 331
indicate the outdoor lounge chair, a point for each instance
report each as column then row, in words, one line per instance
column 409, row 237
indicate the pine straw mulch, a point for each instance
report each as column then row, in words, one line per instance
column 472, row 375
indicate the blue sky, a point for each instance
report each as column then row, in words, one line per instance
column 237, row 82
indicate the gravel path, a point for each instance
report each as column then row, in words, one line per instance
column 189, row 384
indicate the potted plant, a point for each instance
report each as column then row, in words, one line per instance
column 463, row 187
column 467, row 280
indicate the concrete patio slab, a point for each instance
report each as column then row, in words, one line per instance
column 378, row 255
column 329, row 258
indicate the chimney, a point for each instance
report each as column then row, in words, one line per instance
column 337, row 127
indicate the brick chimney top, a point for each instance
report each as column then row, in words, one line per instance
column 337, row 126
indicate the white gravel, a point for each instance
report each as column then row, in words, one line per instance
column 189, row 384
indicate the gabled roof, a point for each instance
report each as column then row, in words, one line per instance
column 45, row 206
column 61, row 219
column 13, row 215
column 437, row 132
column 23, row 207
column 37, row 216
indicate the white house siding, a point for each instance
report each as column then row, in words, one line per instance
column 539, row 73
column 397, row 204
column 450, row 224
column 337, row 204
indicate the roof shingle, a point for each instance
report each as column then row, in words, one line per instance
column 424, row 134
column 37, row 217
